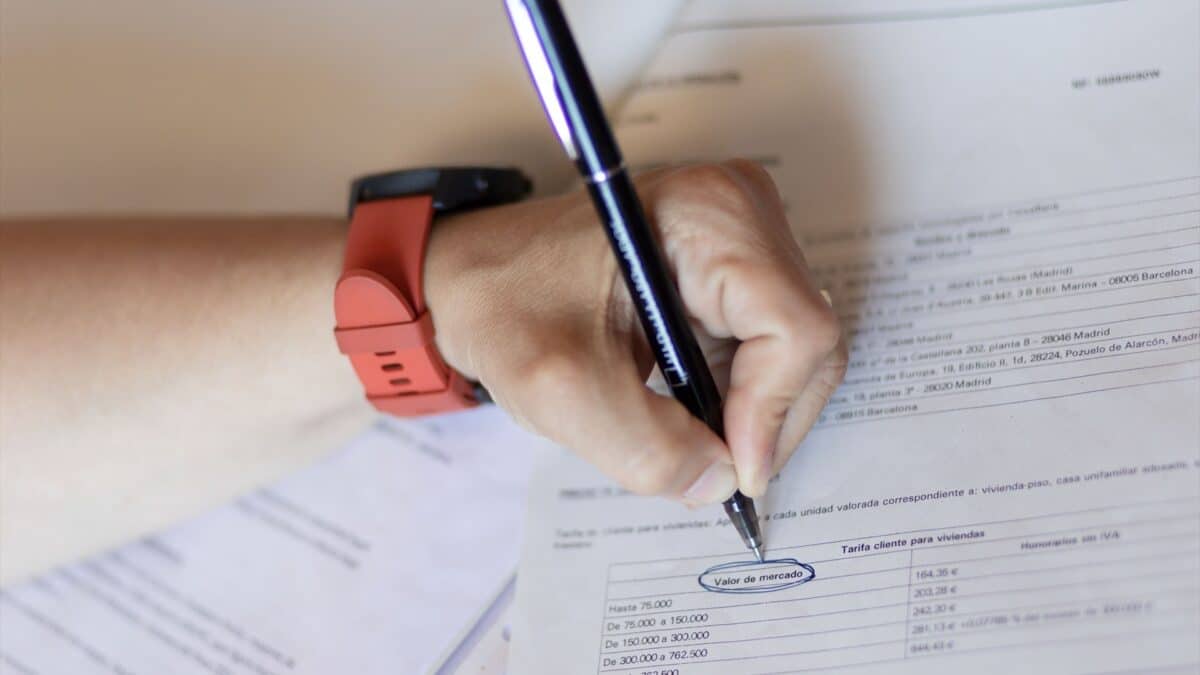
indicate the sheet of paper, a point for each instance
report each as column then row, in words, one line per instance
column 1002, row 198
column 376, row 560
column 484, row 651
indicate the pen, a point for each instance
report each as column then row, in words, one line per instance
column 574, row 110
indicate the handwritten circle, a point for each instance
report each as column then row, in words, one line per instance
column 759, row 577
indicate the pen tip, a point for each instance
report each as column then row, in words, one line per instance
column 758, row 553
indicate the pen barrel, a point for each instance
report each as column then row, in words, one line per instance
column 575, row 112
column 659, row 307
column 594, row 146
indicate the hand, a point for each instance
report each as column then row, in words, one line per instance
column 528, row 299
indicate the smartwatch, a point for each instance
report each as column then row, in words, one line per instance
column 383, row 324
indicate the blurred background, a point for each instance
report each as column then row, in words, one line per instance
column 226, row 106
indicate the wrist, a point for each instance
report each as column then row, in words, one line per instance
column 384, row 321
column 454, row 254
column 508, row 286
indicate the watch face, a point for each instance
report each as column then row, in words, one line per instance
column 452, row 188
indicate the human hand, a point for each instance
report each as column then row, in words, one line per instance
column 528, row 300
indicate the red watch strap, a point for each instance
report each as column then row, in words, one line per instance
column 382, row 322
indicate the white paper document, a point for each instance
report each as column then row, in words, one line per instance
column 1003, row 199
column 378, row 559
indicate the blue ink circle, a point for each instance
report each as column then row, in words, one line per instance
column 805, row 574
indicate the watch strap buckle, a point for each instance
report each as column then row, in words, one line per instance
column 388, row 337
column 458, row 395
column 392, row 349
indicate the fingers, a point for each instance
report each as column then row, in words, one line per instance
column 786, row 340
column 602, row 409
column 743, row 276
column 808, row 406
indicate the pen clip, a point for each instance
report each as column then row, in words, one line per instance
column 541, row 72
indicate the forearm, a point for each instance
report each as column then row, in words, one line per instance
column 151, row 368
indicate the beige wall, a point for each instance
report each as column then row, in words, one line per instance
column 272, row 105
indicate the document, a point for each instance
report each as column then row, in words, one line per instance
column 382, row 558
column 1003, row 200
column 484, row 651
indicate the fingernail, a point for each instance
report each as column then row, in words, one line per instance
column 716, row 484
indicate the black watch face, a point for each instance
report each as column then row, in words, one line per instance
column 452, row 188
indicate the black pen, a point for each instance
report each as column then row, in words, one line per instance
column 575, row 112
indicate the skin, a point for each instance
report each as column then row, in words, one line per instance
column 152, row 368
